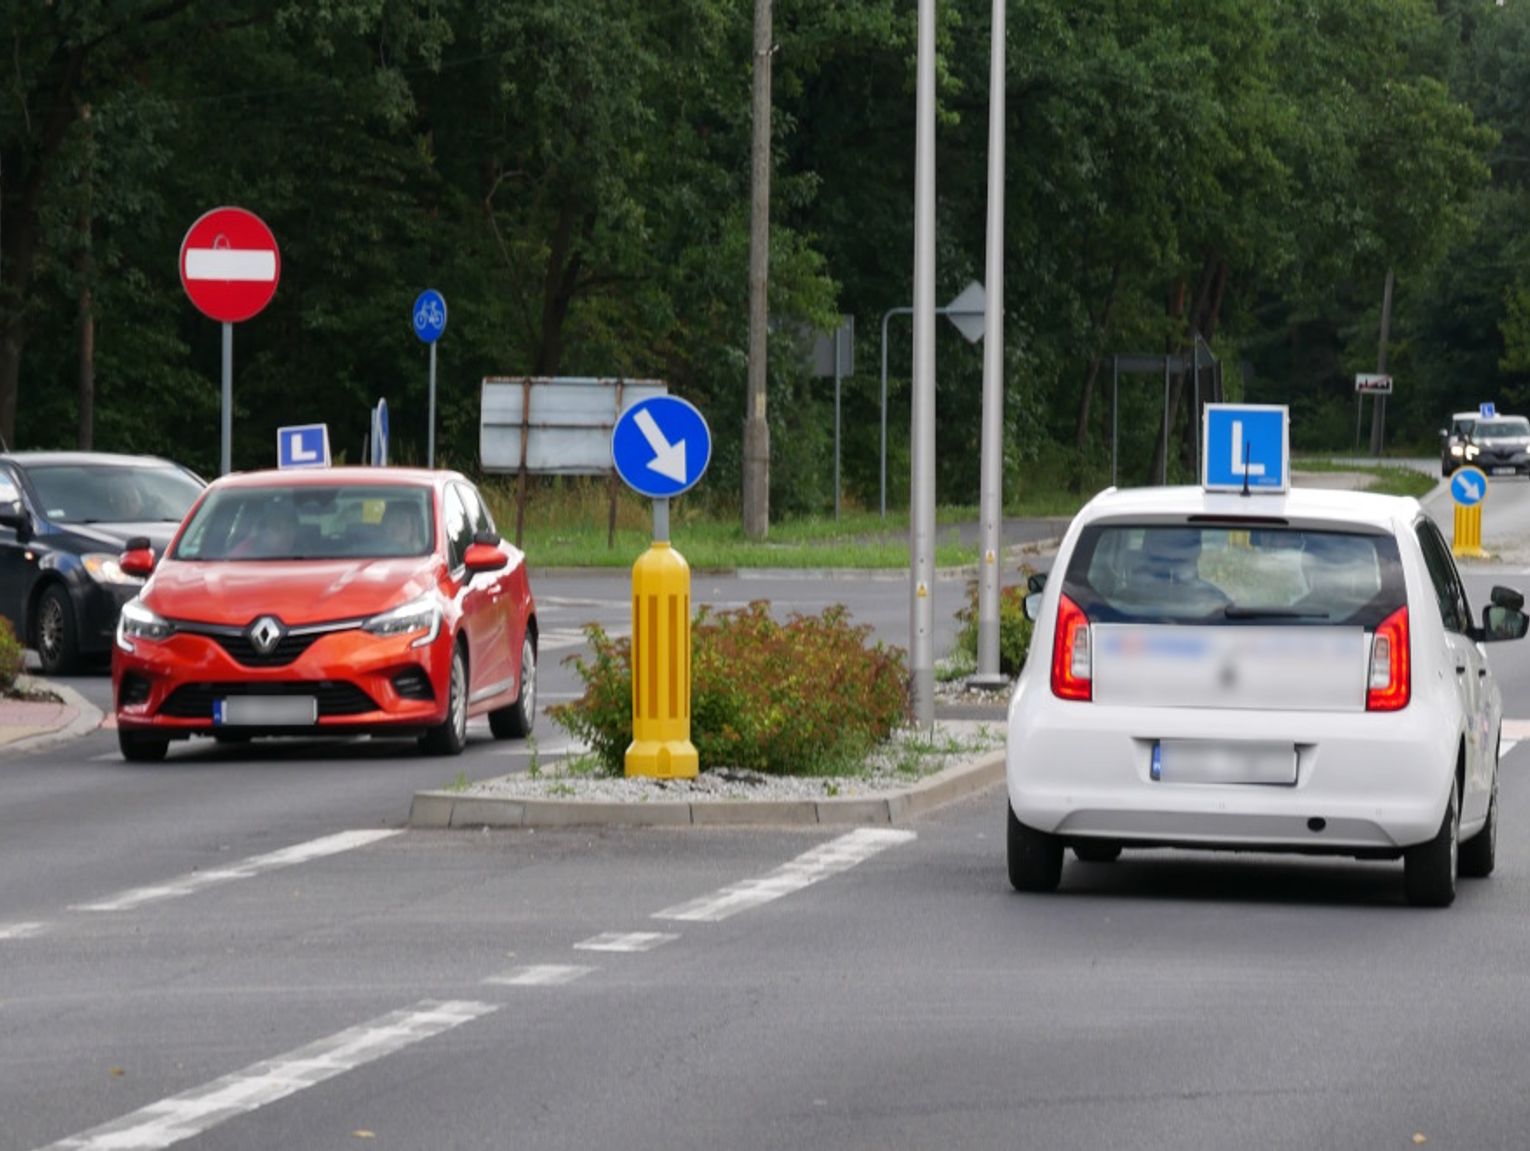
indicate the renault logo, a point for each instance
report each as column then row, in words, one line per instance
column 265, row 633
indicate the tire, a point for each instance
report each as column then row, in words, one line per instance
column 449, row 737
column 1097, row 851
column 517, row 720
column 1479, row 853
column 58, row 638
column 1429, row 869
column 138, row 748
column 1035, row 858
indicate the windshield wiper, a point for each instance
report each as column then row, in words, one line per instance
column 1234, row 611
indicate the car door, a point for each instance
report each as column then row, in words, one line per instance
column 474, row 597
column 1468, row 665
column 500, row 632
column 18, row 556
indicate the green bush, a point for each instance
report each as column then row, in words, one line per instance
column 12, row 657
column 804, row 697
column 1014, row 628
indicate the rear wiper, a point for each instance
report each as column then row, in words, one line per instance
column 1233, row 611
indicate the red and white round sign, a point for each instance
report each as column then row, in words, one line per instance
column 230, row 264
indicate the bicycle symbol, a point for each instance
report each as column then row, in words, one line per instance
column 429, row 316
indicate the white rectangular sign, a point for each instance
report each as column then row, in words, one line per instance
column 1374, row 385
column 556, row 425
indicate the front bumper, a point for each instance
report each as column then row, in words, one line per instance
column 361, row 682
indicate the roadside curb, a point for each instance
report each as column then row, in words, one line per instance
column 443, row 810
column 87, row 718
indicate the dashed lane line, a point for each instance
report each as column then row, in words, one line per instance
column 539, row 975
column 192, row 1112
column 626, row 941
column 249, row 868
column 21, row 930
column 807, row 869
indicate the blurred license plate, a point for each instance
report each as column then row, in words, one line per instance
column 266, row 711
column 1503, row 471
column 1208, row 761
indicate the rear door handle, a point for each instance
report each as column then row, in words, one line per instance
column 1460, row 669
column 1482, row 673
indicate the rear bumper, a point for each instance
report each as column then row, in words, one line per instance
column 1364, row 781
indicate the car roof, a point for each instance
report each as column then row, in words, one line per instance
column 1466, row 415
column 1307, row 505
column 323, row 477
column 101, row 459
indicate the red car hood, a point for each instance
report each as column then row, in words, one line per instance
column 296, row 591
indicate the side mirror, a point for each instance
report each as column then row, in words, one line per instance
column 14, row 516
column 137, row 561
column 482, row 557
column 1501, row 623
column 486, row 537
column 1507, row 597
column 1033, row 605
column 1036, row 581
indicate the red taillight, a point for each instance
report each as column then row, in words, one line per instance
column 1390, row 680
column 1071, row 665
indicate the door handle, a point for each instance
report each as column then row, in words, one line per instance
column 1482, row 673
column 1460, row 669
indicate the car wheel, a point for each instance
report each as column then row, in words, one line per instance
column 450, row 736
column 138, row 748
column 1097, row 851
column 1035, row 858
column 57, row 639
column 1429, row 869
column 1479, row 853
column 517, row 720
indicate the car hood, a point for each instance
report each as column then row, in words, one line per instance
column 113, row 537
column 295, row 591
column 1501, row 443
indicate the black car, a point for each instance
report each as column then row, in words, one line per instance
column 1502, row 446
column 64, row 519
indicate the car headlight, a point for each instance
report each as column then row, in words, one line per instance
column 1457, row 450
column 1471, row 450
column 138, row 622
column 104, row 568
column 422, row 615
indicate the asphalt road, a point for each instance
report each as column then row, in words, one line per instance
column 242, row 949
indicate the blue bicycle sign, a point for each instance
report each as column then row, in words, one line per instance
column 430, row 315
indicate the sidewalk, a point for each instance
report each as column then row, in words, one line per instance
column 26, row 724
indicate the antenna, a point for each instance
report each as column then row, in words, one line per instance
column 1245, row 467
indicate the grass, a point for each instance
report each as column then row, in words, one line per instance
column 1389, row 481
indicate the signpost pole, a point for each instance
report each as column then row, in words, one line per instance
column 661, row 521
column 430, row 437
column 836, row 422
column 922, row 485
column 227, row 457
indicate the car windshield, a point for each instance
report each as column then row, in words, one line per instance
column 1187, row 573
column 318, row 522
column 1503, row 429
column 86, row 493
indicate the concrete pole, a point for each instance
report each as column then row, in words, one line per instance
column 756, row 430
column 991, row 494
column 922, row 477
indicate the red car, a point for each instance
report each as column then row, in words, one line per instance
column 328, row 602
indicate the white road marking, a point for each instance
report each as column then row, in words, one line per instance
column 197, row 880
column 1507, row 746
column 192, row 1112
column 539, row 975
column 557, row 638
column 21, row 930
column 630, row 941
column 807, row 869
column 1515, row 730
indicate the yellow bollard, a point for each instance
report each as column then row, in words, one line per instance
column 661, row 666
column 1467, row 542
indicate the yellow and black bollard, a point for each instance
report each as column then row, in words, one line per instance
column 661, row 666
column 1468, row 487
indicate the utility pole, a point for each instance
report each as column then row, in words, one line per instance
column 1379, row 403
column 86, row 416
column 756, row 430
column 922, row 478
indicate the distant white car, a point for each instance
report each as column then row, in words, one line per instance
column 1299, row 672
column 1455, row 442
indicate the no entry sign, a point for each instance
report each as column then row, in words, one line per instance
column 230, row 264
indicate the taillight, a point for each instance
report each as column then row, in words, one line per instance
column 1390, row 680
column 1071, row 665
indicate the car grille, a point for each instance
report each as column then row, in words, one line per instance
column 135, row 690
column 195, row 700
column 413, row 684
column 287, row 649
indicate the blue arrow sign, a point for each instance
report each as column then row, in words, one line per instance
column 303, row 446
column 429, row 315
column 1246, row 441
column 661, row 446
column 1468, row 487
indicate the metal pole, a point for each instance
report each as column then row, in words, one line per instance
column 922, row 474
column 1195, row 358
column 836, row 421
column 228, row 399
column 990, row 498
column 661, row 521
column 1115, row 397
column 430, row 439
column 1163, row 471
column 887, row 315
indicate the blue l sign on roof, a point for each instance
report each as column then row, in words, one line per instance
column 1487, row 411
column 304, row 446
column 660, row 446
column 1246, row 442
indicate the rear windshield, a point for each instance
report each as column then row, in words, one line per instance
column 1193, row 574
column 1502, row 429
column 282, row 522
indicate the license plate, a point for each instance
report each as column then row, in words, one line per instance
column 1211, row 761
column 266, row 711
column 1503, row 471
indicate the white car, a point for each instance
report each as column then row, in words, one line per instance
column 1299, row 672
